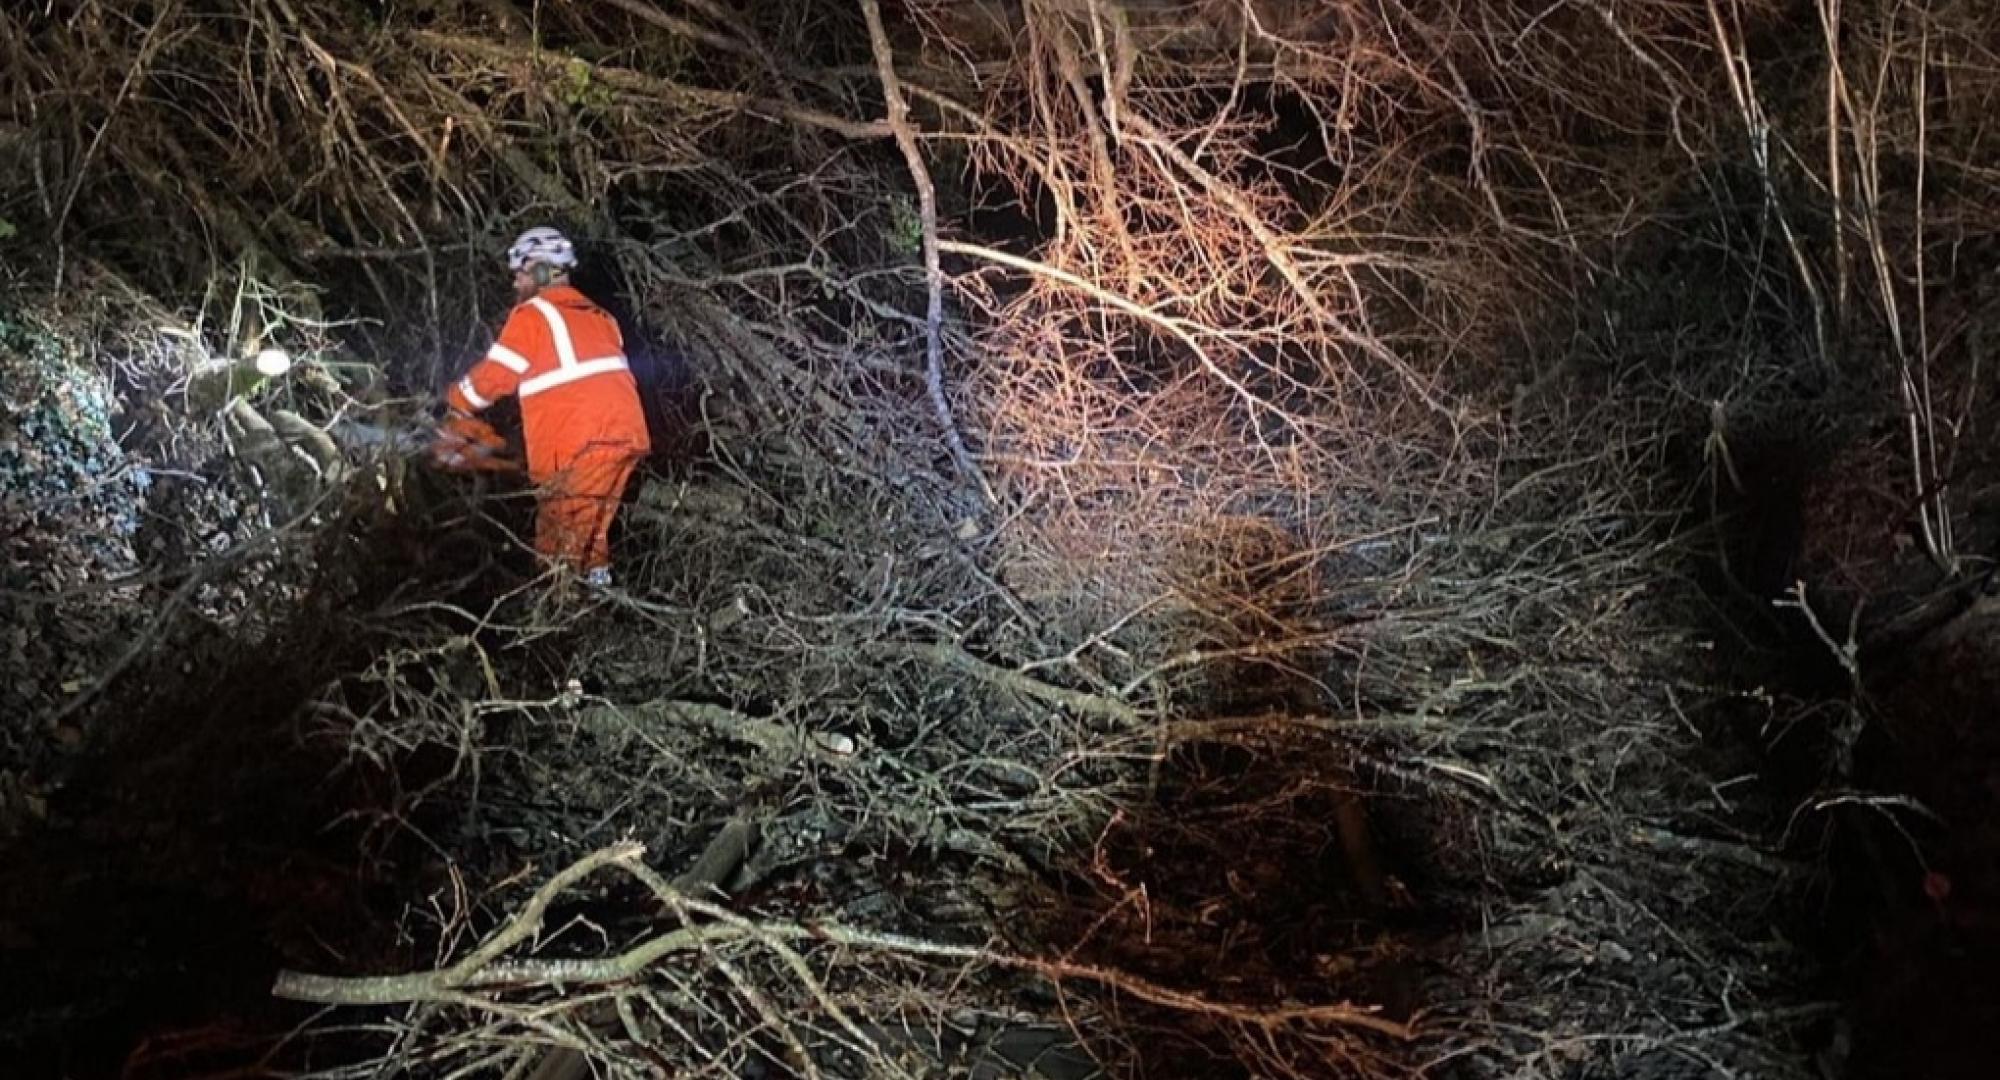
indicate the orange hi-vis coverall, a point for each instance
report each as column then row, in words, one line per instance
column 581, row 418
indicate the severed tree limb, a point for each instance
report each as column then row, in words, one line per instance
column 483, row 968
column 709, row 874
column 311, row 439
column 719, row 860
column 953, row 656
column 780, row 740
column 478, row 968
column 920, row 175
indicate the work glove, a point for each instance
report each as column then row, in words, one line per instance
column 468, row 444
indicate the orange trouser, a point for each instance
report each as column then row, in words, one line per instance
column 576, row 504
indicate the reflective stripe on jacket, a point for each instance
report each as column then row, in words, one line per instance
column 566, row 359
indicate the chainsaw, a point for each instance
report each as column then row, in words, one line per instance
column 454, row 444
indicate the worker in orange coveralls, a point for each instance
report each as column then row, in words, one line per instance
column 581, row 418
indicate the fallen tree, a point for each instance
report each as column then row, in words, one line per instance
column 1192, row 544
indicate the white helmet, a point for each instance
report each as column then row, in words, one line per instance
column 541, row 245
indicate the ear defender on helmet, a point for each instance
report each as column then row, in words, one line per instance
column 542, row 273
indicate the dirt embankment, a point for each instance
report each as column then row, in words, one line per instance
column 1880, row 660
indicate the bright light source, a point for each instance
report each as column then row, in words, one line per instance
column 273, row 362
